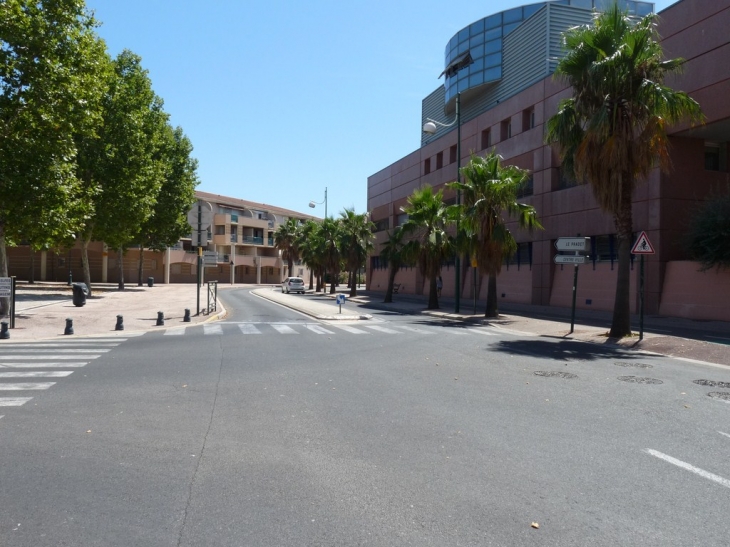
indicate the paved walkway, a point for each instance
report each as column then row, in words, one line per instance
column 42, row 310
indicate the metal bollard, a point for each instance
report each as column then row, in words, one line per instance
column 160, row 319
column 4, row 332
column 69, row 326
column 186, row 319
column 120, row 323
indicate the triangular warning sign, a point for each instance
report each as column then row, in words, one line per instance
column 642, row 245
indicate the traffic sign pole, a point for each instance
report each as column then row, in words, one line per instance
column 641, row 298
column 575, row 292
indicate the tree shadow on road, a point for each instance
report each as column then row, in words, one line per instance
column 565, row 350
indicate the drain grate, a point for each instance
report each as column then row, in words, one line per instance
column 635, row 365
column 639, row 380
column 722, row 395
column 712, row 383
column 555, row 374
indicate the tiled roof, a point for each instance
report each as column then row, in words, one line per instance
column 244, row 204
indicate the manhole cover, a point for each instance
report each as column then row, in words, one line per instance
column 723, row 395
column 639, row 380
column 635, row 365
column 712, row 383
column 555, row 374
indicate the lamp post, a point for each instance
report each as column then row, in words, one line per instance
column 430, row 128
column 313, row 204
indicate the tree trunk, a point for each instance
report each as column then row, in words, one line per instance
column 120, row 267
column 140, row 267
column 391, row 282
column 621, row 322
column 433, row 297
column 492, row 310
column 85, row 261
column 4, row 302
column 353, row 284
column 290, row 264
column 31, row 273
column 311, row 279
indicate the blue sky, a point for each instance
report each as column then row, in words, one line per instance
column 284, row 98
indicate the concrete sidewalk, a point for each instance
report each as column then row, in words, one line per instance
column 42, row 310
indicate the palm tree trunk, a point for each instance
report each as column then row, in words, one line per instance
column 492, row 310
column 621, row 322
column 391, row 282
column 433, row 296
column 85, row 261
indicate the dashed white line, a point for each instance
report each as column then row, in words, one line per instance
column 26, row 386
column 14, row 401
column 319, row 330
column 284, row 329
column 689, row 467
column 177, row 331
column 48, row 364
column 37, row 374
column 45, row 352
column 212, row 329
column 26, row 357
column 351, row 330
column 726, row 434
column 247, row 328
column 382, row 329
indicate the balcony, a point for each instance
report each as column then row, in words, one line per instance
column 271, row 242
column 234, row 238
column 253, row 240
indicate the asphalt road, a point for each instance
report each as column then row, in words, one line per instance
column 272, row 429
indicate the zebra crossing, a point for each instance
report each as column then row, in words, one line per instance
column 300, row 328
column 24, row 366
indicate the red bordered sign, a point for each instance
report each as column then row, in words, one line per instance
column 642, row 246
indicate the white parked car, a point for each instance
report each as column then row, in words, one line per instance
column 293, row 284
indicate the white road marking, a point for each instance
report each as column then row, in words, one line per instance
column 382, row 329
column 318, row 329
column 26, row 357
column 37, row 374
column 351, row 330
column 411, row 329
column 247, row 328
column 726, row 434
column 14, row 401
column 212, row 329
column 283, row 329
column 689, row 467
column 23, row 386
column 47, row 351
column 48, row 364
column 177, row 331
column 61, row 345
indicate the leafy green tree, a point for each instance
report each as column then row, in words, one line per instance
column 310, row 251
column 120, row 165
column 169, row 222
column 489, row 189
column 356, row 242
column 329, row 236
column 286, row 239
column 393, row 251
column 428, row 221
column 49, row 90
column 612, row 132
column 708, row 235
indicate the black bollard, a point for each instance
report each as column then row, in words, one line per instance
column 4, row 332
column 160, row 319
column 120, row 323
column 69, row 326
column 186, row 319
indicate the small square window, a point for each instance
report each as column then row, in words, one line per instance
column 505, row 129
column 439, row 160
column 528, row 119
column 486, row 138
column 712, row 156
column 427, row 166
column 452, row 154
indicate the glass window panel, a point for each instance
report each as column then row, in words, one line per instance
column 454, row 53
column 493, row 46
column 477, row 27
column 476, row 79
column 454, row 42
column 463, row 85
column 495, row 59
column 509, row 28
column 492, row 34
column 513, row 15
column 463, row 48
column 463, row 34
column 643, row 9
column 476, row 40
column 494, row 73
column 529, row 11
column 476, row 66
column 477, row 51
column 493, row 21
column 447, row 57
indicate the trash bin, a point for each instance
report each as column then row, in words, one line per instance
column 150, row 281
column 80, row 292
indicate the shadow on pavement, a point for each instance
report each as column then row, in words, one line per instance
column 561, row 351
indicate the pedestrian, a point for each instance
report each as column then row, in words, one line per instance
column 439, row 285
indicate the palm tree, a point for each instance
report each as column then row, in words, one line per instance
column 489, row 189
column 612, row 132
column 310, row 250
column 329, row 235
column 393, row 252
column 285, row 239
column 431, row 244
column 356, row 240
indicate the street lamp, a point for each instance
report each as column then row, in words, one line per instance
column 430, row 128
column 313, row 204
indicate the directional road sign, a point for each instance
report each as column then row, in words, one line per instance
column 573, row 243
column 206, row 215
column 642, row 246
column 210, row 258
column 340, row 299
column 6, row 284
column 570, row 259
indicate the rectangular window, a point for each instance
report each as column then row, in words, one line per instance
column 528, row 119
column 382, row 225
column 220, row 230
column 452, row 154
column 401, row 219
column 712, row 156
column 506, row 129
column 439, row 160
column 427, row 166
column 486, row 138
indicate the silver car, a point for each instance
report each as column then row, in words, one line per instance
column 293, row 284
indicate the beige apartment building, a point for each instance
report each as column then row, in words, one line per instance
column 239, row 244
